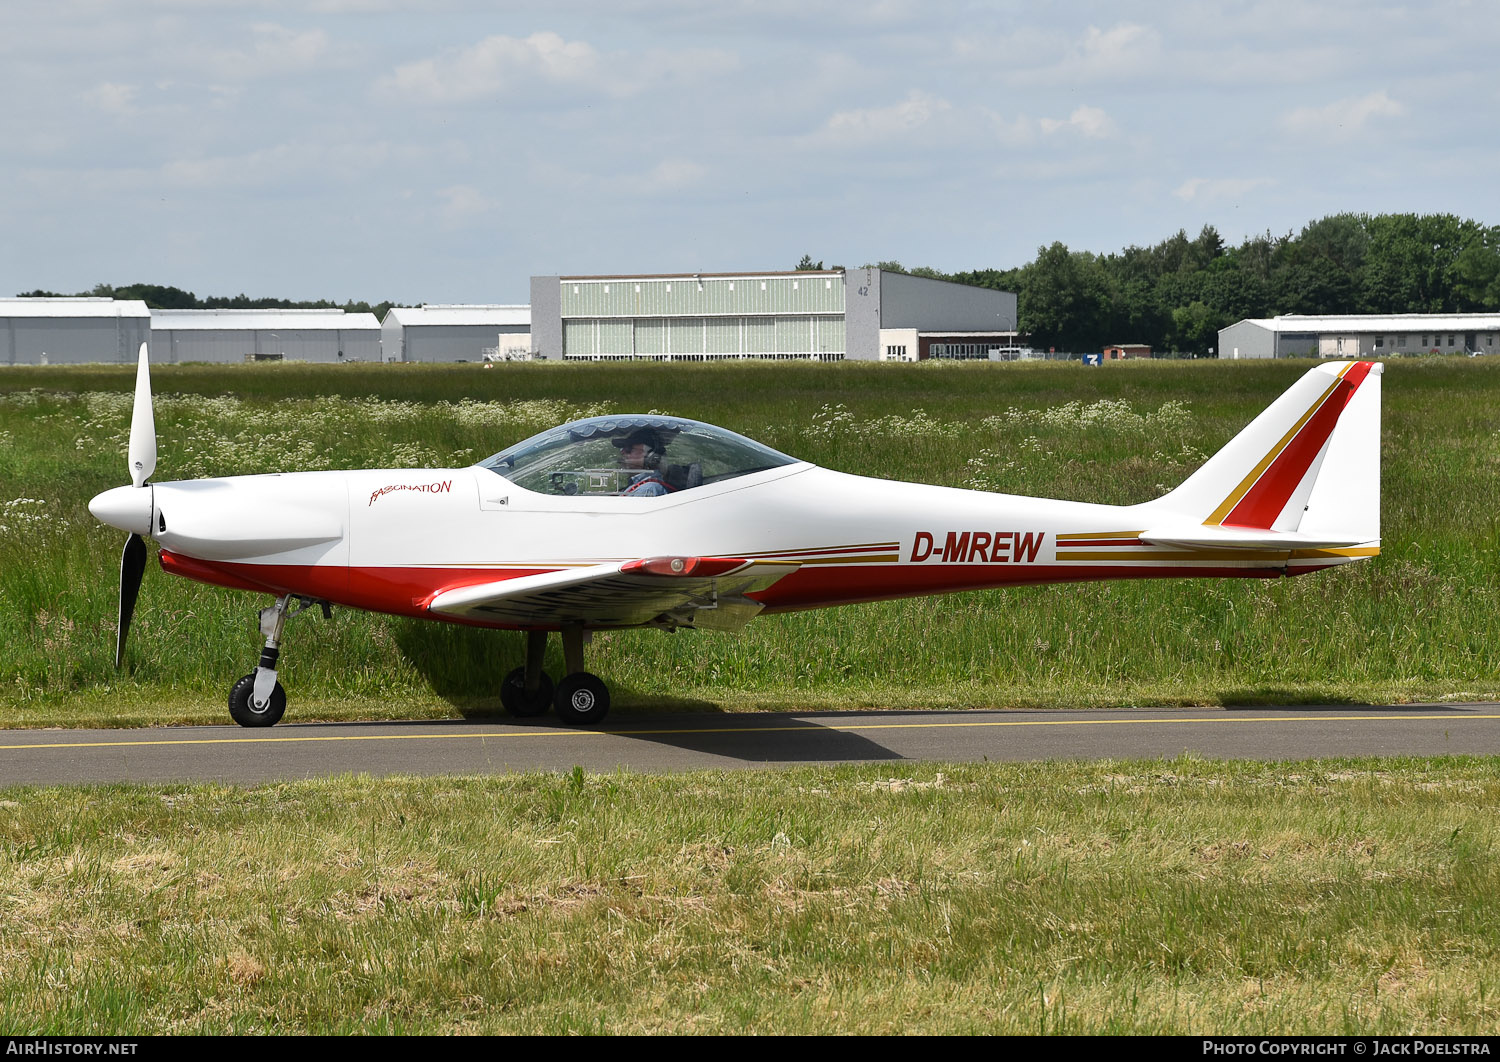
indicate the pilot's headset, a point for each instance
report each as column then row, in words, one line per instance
column 655, row 448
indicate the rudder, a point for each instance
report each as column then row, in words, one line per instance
column 1308, row 466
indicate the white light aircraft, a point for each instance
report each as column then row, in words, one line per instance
column 656, row 521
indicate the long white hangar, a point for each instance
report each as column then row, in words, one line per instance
column 263, row 335
column 1361, row 335
column 823, row 315
column 71, row 331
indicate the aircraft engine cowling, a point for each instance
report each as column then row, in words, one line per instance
column 252, row 517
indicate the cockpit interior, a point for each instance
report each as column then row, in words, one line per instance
column 584, row 457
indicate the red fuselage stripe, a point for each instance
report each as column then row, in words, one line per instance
column 404, row 591
column 1263, row 502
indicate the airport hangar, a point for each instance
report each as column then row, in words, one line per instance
column 822, row 315
column 263, row 335
column 71, row 331
column 58, row 331
column 1360, row 335
column 456, row 333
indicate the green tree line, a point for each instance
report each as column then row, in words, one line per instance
column 1177, row 294
column 165, row 297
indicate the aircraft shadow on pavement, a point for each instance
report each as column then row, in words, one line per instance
column 1271, row 697
column 768, row 738
column 465, row 666
column 1288, row 701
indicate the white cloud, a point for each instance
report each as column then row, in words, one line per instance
column 670, row 175
column 268, row 166
column 1010, row 132
column 1122, row 46
column 1214, row 190
column 499, row 65
column 113, row 98
column 1344, row 118
column 494, row 65
column 462, row 204
column 271, row 50
column 1087, row 121
column 881, row 123
column 302, row 163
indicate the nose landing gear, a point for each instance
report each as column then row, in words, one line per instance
column 257, row 699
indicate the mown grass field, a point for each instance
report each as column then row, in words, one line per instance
column 1164, row 897
column 1414, row 624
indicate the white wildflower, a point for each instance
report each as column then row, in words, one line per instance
column 23, row 516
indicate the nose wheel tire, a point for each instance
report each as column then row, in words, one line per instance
column 242, row 707
column 581, row 699
column 518, row 702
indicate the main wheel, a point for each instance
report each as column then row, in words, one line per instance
column 242, row 707
column 581, row 699
column 519, row 703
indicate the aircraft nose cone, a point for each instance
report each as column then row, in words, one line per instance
column 128, row 508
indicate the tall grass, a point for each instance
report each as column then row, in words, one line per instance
column 1413, row 624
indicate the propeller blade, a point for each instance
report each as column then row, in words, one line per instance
column 132, row 568
column 142, row 453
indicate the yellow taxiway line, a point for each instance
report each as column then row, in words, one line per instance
column 815, row 727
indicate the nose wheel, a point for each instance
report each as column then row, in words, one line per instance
column 258, row 699
column 243, row 709
column 580, row 699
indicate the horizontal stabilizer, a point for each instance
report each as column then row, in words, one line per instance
column 1210, row 536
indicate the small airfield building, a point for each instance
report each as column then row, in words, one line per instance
column 71, row 331
column 822, row 315
column 1361, row 335
column 263, row 335
column 456, row 333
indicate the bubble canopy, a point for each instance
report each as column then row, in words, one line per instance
column 584, row 456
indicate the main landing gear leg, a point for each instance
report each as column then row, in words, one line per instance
column 581, row 698
column 527, row 691
column 258, row 699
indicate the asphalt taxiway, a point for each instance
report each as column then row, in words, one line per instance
column 689, row 742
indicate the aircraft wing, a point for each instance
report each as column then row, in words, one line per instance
column 705, row 592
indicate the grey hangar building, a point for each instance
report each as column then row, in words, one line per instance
column 1360, row 335
column 263, row 335
column 58, row 331
column 825, row 315
column 456, row 332
column 71, row 331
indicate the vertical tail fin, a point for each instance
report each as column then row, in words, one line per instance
column 1306, row 470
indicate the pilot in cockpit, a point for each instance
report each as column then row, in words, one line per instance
column 640, row 455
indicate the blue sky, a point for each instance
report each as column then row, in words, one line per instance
column 445, row 151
